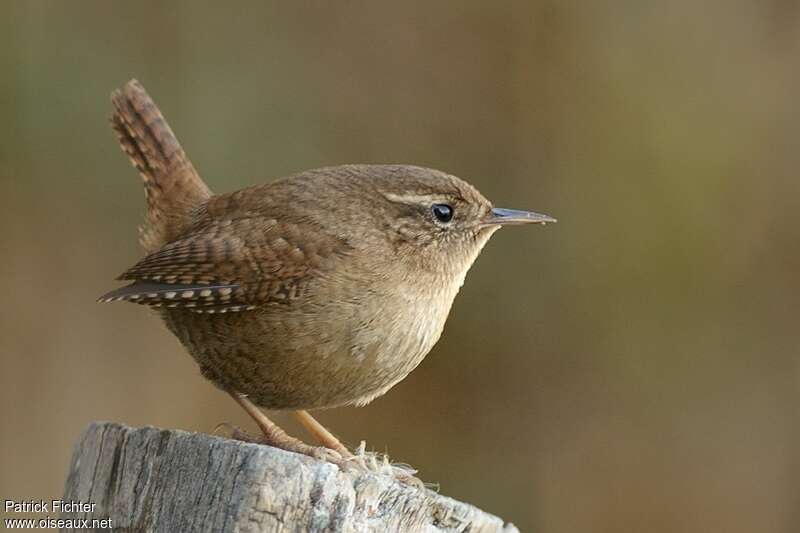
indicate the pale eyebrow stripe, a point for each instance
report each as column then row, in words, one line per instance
column 413, row 198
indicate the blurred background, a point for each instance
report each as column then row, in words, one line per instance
column 633, row 368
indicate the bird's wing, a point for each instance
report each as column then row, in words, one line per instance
column 232, row 265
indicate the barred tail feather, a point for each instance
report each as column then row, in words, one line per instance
column 172, row 186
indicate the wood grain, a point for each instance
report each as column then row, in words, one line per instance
column 149, row 479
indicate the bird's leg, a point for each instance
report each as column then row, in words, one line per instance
column 275, row 436
column 327, row 439
column 321, row 433
column 332, row 450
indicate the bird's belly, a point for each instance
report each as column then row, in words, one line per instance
column 303, row 361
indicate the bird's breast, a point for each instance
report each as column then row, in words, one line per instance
column 397, row 334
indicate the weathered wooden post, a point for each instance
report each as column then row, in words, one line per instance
column 148, row 479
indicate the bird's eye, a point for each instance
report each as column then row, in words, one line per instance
column 442, row 212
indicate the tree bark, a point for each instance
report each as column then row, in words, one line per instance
column 149, row 479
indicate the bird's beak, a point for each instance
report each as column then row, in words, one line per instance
column 512, row 217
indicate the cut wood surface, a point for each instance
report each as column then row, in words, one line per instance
column 150, row 479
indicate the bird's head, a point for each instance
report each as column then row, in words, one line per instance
column 435, row 221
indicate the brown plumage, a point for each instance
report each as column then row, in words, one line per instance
column 171, row 184
column 321, row 289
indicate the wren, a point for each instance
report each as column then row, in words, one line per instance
column 322, row 289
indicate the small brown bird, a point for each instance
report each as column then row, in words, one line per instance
column 318, row 290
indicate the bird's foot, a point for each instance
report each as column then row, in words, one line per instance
column 359, row 460
column 277, row 438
